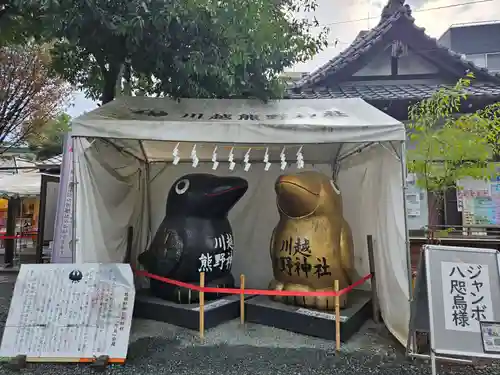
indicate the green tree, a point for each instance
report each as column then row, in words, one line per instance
column 486, row 123
column 447, row 146
column 29, row 94
column 179, row 48
column 48, row 141
column 18, row 24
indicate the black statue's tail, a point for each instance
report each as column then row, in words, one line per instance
column 187, row 296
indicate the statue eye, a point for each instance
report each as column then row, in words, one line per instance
column 182, row 186
column 335, row 188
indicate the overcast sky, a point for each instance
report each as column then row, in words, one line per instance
column 335, row 13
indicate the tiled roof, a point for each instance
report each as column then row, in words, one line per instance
column 387, row 92
column 366, row 41
column 15, row 164
column 54, row 161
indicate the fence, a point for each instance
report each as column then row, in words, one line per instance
column 23, row 249
column 242, row 292
column 466, row 232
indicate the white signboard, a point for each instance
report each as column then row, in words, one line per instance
column 467, row 296
column 413, row 204
column 62, row 251
column 456, row 300
column 217, row 303
column 490, row 333
column 320, row 314
column 70, row 312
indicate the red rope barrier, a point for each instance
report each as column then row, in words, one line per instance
column 19, row 236
column 253, row 291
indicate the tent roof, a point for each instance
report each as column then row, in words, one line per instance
column 54, row 161
column 239, row 121
column 20, row 185
column 15, row 162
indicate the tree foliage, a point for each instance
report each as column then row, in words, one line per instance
column 179, row 48
column 486, row 123
column 29, row 95
column 448, row 147
column 48, row 140
column 17, row 25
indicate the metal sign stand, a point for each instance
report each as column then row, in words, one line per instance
column 420, row 293
column 428, row 308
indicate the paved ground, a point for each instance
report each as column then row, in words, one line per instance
column 161, row 349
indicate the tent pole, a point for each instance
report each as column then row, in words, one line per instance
column 336, row 163
column 412, row 338
column 118, row 148
column 148, row 189
column 148, row 198
column 407, row 232
column 74, row 183
column 355, row 151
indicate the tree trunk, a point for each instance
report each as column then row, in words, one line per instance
column 108, row 92
column 127, row 75
column 110, row 77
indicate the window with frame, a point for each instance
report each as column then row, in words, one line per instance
column 493, row 62
column 478, row 59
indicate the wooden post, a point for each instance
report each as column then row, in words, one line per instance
column 373, row 281
column 242, row 299
column 337, row 316
column 202, row 306
column 41, row 219
column 13, row 211
column 130, row 240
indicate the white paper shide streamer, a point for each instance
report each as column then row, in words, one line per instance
column 175, row 154
column 266, row 160
column 194, row 157
column 230, row 159
column 214, row 159
column 283, row 159
column 246, row 160
column 300, row 159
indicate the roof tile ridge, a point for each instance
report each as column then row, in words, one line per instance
column 455, row 55
column 381, row 28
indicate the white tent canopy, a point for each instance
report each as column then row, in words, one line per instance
column 20, row 185
column 15, row 164
column 141, row 124
column 54, row 161
column 123, row 168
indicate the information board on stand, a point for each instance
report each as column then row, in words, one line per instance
column 479, row 201
column 457, row 301
column 61, row 248
column 70, row 313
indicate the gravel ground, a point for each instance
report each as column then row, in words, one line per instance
column 158, row 348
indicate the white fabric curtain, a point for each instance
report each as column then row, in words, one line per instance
column 112, row 195
column 371, row 185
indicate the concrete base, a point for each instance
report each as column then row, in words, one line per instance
column 186, row 315
column 263, row 310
